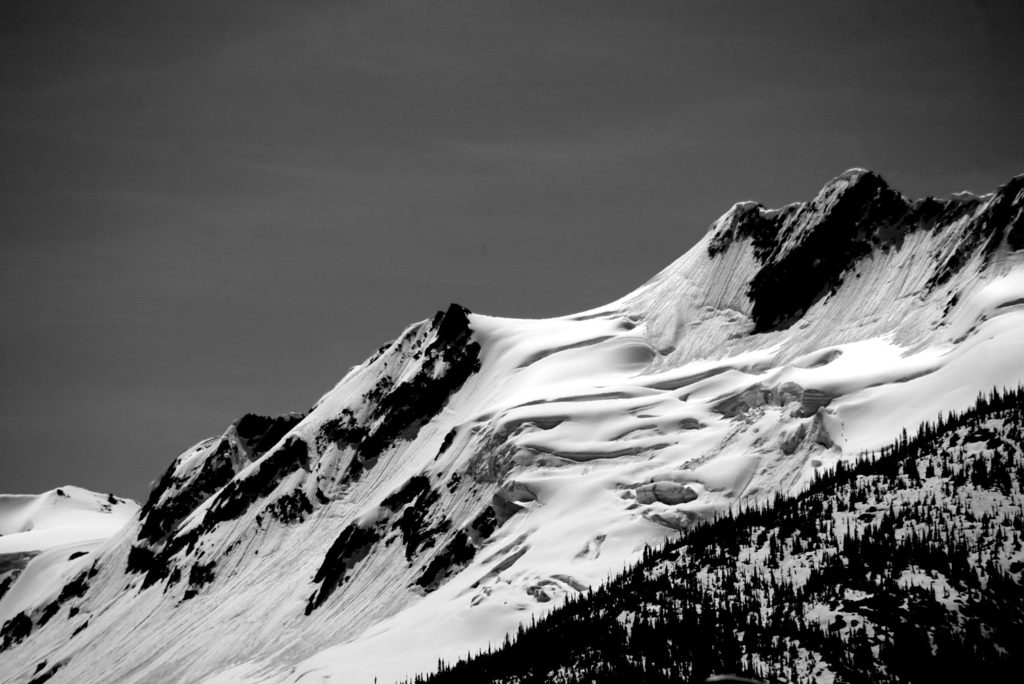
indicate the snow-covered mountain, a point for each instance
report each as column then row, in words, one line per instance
column 907, row 566
column 478, row 470
column 50, row 531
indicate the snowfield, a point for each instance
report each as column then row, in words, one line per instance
column 478, row 470
column 43, row 536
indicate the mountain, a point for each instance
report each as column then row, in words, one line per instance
column 477, row 471
column 50, row 531
column 903, row 567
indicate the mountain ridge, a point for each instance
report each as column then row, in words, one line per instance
column 477, row 470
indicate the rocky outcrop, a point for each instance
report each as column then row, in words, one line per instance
column 805, row 250
column 669, row 493
column 758, row 395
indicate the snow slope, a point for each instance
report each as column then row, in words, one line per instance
column 43, row 537
column 68, row 515
column 905, row 567
column 477, row 470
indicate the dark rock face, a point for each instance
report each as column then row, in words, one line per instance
column 45, row 675
column 199, row 576
column 235, row 499
column 749, row 222
column 76, row 588
column 414, row 503
column 446, row 443
column 259, row 434
column 141, row 560
column 812, row 254
column 1003, row 216
column 805, row 250
column 342, row 430
column 389, row 412
column 173, row 499
column 459, row 550
column 399, row 410
column 505, row 502
column 15, row 630
column 665, row 492
column 231, row 502
column 789, row 284
column 348, row 550
column 408, row 515
column 11, row 565
column 21, row 625
column 291, row 508
column 158, row 542
column 160, row 518
column 484, row 525
column 455, row 554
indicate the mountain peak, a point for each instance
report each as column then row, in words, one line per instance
column 866, row 185
column 479, row 470
column 854, row 175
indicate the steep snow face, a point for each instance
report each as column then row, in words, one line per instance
column 477, row 470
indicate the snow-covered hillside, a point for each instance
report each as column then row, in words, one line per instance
column 43, row 535
column 477, row 470
column 907, row 566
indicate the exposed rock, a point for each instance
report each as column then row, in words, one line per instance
column 791, row 440
column 805, row 250
column 398, row 408
column 240, row 493
column 789, row 392
column 348, row 550
column 454, row 556
column 758, row 395
column 1003, row 213
column 741, row 402
column 818, row 244
column 820, row 433
column 11, row 565
column 538, row 593
column 812, row 400
column 670, row 493
column 506, row 501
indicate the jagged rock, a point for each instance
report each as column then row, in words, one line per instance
column 820, row 433
column 670, row 493
column 812, row 400
column 506, row 501
column 741, row 402
column 398, row 481
column 789, row 392
column 791, row 440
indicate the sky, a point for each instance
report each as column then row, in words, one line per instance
column 211, row 208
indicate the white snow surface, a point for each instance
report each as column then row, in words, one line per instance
column 610, row 429
column 66, row 515
column 51, row 528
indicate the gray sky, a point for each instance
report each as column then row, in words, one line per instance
column 210, row 208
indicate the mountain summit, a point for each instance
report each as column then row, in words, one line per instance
column 477, row 471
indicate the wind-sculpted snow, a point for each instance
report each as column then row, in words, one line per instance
column 49, row 537
column 478, row 470
column 907, row 566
